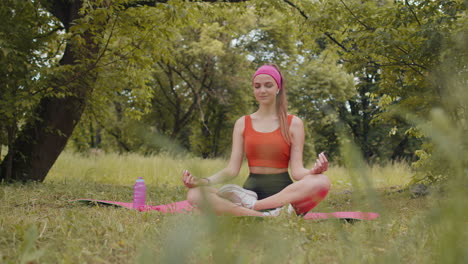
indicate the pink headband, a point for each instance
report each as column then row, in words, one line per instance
column 272, row 71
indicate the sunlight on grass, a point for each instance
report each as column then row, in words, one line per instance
column 125, row 169
column 156, row 170
column 393, row 175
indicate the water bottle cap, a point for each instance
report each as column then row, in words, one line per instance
column 140, row 179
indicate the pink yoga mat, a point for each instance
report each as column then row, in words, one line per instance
column 176, row 207
column 185, row 207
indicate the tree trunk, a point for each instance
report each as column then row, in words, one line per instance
column 399, row 150
column 38, row 146
column 43, row 138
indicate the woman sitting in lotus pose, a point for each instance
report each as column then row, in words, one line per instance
column 272, row 141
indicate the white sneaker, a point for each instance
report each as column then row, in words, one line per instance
column 277, row 212
column 238, row 195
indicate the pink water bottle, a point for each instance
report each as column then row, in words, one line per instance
column 139, row 193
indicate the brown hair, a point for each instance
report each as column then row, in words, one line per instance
column 282, row 108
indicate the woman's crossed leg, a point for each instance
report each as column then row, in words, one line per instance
column 303, row 195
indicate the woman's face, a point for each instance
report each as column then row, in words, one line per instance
column 265, row 88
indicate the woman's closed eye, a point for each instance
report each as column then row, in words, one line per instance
column 267, row 85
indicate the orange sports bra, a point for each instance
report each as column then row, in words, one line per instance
column 266, row 149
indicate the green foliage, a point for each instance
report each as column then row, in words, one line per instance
column 444, row 155
column 178, row 73
column 403, row 40
column 317, row 89
column 401, row 44
column 29, row 43
column 189, row 91
column 274, row 38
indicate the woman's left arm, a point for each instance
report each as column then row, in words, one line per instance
column 297, row 147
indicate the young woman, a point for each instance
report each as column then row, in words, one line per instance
column 272, row 141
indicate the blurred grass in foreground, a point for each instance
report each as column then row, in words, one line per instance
column 38, row 224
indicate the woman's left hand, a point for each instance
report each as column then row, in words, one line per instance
column 321, row 165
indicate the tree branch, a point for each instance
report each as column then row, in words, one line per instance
column 172, row 84
column 156, row 2
column 189, row 84
column 328, row 34
column 164, row 91
column 354, row 15
column 111, row 132
column 196, row 95
column 409, row 65
column 412, row 12
column 107, row 42
column 303, row 14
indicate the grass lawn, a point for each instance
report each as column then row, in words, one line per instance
column 38, row 224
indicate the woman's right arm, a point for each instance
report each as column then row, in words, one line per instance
column 234, row 165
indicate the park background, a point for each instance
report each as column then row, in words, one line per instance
column 94, row 94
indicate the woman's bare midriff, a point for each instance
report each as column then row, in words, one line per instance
column 267, row 170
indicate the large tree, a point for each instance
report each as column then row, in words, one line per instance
column 95, row 37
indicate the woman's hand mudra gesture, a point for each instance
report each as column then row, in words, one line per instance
column 321, row 164
column 191, row 181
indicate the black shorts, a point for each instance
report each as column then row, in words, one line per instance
column 267, row 184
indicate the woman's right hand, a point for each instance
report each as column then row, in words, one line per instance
column 191, row 181
column 321, row 164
